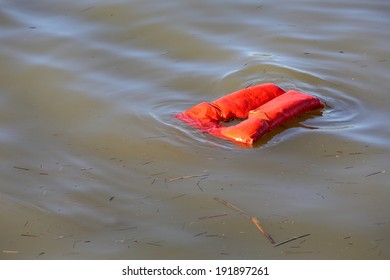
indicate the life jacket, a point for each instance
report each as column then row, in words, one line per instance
column 263, row 107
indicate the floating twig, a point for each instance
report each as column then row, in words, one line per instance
column 28, row 169
column 22, row 168
column 154, row 244
column 28, row 235
column 259, row 226
column 188, row 177
column 375, row 173
column 211, row 217
column 244, row 214
column 198, row 184
column 291, row 239
column 232, row 206
column 126, row 228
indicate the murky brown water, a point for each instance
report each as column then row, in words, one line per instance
column 93, row 166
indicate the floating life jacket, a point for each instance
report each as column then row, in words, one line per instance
column 263, row 107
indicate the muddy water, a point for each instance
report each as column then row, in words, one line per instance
column 93, row 166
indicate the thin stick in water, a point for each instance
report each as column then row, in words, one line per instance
column 244, row 214
column 291, row 239
column 259, row 226
column 232, row 206
column 21, row 168
column 187, row 177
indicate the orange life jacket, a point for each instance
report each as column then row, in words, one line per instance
column 263, row 107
